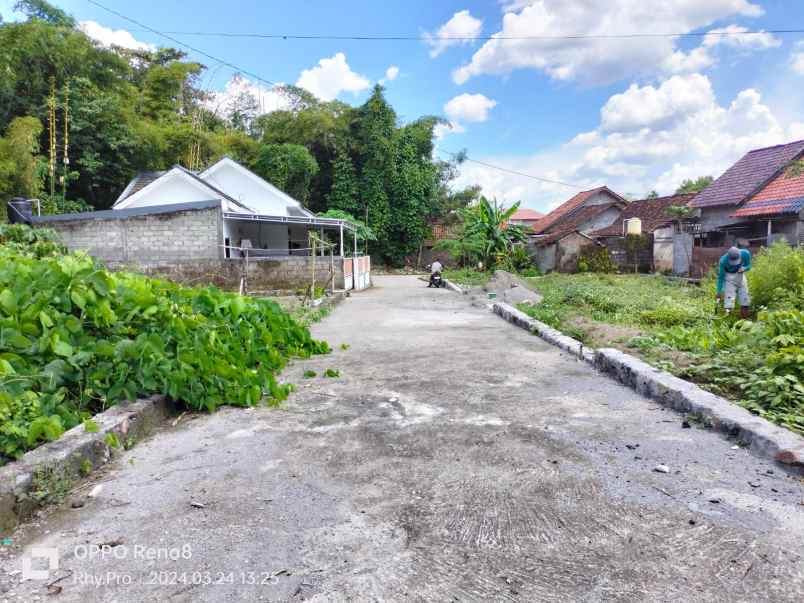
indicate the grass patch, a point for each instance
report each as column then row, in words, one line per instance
column 467, row 277
column 759, row 363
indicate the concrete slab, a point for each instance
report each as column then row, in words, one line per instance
column 457, row 457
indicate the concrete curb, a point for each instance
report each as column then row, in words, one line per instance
column 549, row 334
column 761, row 436
column 453, row 287
column 73, row 456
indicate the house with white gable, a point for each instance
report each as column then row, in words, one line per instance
column 218, row 225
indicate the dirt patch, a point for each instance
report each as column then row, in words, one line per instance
column 604, row 335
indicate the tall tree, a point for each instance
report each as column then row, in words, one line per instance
column 289, row 167
column 20, row 164
column 344, row 194
column 694, row 186
column 374, row 130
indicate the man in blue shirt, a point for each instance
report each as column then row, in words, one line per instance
column 731, row 282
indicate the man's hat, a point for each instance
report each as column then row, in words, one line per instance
column 735, row 259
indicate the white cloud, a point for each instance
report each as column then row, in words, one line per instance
column 693, row 61
column 461, row 25
column 639, row 107
column 735, row 37
column 797, row 59
column 331, row 77
column 238, row 89
column 464, row 108
column 391, row 73
column 602, row 60
column 469, row 107
column 639, row 148
column 112, row 37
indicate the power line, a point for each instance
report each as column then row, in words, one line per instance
column 514, row 172
column 184, row 44
column 436, row 38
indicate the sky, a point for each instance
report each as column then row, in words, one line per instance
column 636, row 113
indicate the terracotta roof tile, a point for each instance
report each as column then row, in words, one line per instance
column 749, row 173
column 650, row 211
column 569, row 206
column 770, row 207
column 526, row 214
column 574, row 223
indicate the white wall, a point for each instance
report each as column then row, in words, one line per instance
column 248, row 190
column 170, row 189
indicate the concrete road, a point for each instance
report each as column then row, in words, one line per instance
column 456, row 458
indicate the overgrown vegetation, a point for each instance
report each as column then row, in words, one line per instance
column 485, row 238
column 76, row 339
column 758, row 362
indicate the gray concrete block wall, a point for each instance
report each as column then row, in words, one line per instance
column 186, row 247
column 186, row 235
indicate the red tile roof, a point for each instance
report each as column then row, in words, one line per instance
column 568, row 207
column 650, row 211
column 526, row 215
column 574, row 223
column 747, row 175
column 782, row 195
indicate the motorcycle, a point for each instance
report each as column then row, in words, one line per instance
column 436, row 280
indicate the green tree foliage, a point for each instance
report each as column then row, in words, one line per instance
column 132, row 110
column 45, row 11
column 344, row 194
column 375, row 126
column 694, row 186
column 20, row 165
column 652, row 195
column 290, row 167
column 489, row 222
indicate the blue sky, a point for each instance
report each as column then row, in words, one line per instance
column 635, row 114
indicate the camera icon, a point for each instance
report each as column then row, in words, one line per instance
column 51, row 554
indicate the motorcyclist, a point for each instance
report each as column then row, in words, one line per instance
column 435, row 268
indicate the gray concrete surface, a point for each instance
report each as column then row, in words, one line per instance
column 457, row 458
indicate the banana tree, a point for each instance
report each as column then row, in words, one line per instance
column 489, row 223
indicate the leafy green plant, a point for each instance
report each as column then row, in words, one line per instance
column 308, row 374
column 76, row 339
column 332, row 373
column 112, row 440
column 776, row 279
column 90, row 426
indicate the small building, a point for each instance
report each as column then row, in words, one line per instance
column 526, row 218
column 719, row 226
column 718, row 203
column 655, row 249
column 551, row 245
column 218, row 225
column 776, row 212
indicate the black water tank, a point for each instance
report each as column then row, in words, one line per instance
column 19, row 211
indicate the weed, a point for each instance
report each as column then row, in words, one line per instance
column 112, row 440
column 85, row 468
column 344, row 346
column 308, row 374
column 332, row 373
column 50, row 484
column 90, row 426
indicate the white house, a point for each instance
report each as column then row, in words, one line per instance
column 256, row 214
column 188, row 225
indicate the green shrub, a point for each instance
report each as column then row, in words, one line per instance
column 596, row 259
column 76, row 339
column 776, row 278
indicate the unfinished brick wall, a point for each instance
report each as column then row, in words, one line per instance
column 185, row 235
column 185, row 247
